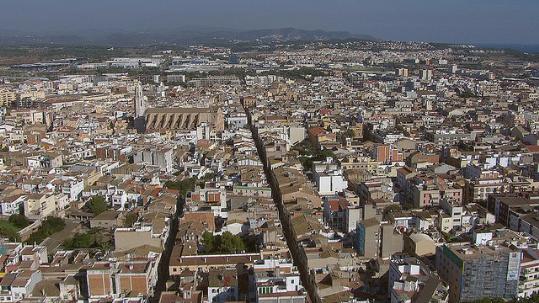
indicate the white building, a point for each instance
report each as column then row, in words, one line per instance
column 329, row 178
column 160, row 157
column 222, row 286
column 236, row 120
column 277, row 281
column 407, row 279
column 529, row 273
column 73, row 188
column 12, row 205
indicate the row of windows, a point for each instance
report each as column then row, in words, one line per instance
column 265, row 290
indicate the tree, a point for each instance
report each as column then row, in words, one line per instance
column 490, row 300
column 79, row 241
column 208, row 241
column 94, row 238
column 48, row 227
column 97, row 205
column 183, row 186
column 391, row 208
column 209, row 176
column 531, row 299
column 130, row 219
column 9, row 230
column 231, row 244
column 349, row 133
column 20, row 221
column 326, row 153
column 53, row 224
column 226, row 243
column 251, row 243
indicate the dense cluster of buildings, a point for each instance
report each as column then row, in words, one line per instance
column 346, row 172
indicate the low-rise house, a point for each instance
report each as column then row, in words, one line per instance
column 108, row 219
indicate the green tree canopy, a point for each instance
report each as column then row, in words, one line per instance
column 48, row 227
column 183, row 186
column 208, row 241
column 97, row 205
column 130, row 219
column 226, row 243
column 20, row 221
column 231, row 244
column 9, row 230
column 94, row 238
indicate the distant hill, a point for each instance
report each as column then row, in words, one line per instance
column 294, row 34
column 179, row 37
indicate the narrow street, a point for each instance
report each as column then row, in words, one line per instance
column 162, row 269
column 298, row 254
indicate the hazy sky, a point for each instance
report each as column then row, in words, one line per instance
column 480, row 21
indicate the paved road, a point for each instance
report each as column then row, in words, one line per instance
column 298, row 255
column 162, row 267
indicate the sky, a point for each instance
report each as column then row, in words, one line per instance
column 474, row 21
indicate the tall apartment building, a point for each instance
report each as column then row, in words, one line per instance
column 390, row 240
column 529, row 273
column 426, row 74
column 7, row 96
column 465, row 268
column 402, row 72
column 368, row 238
